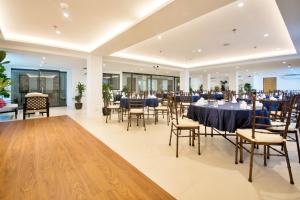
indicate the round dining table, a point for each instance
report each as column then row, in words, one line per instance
column 228, row 117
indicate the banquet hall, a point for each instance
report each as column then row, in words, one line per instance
column 150, row 99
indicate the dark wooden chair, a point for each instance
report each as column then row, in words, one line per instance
column 278, row 123
column 113, row 108
column 257, row 135
column 136, row 108
column 35, row 102
column 185, row 102
column 182, row 124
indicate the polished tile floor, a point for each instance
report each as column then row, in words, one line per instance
column 213, row 175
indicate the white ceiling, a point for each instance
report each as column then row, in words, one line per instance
column 20, row 59
column 179, row 46
column 91, row 23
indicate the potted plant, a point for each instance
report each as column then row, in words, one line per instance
column 201, row 88
column 125, row 90
column 4, row 80
column 223, row 85
column 106, row 95
column 217, row 88
column 80, row 88
column 191, row 90
column 247, row 87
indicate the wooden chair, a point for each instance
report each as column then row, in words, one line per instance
column 182, row 124
column 111, row 108
column 185, row 102
column 278, row 124
column 35, row 102
column 257, row 136
column 136, row 107
column 161, row 109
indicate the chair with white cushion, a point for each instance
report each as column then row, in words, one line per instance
column 182, row 124
column 136, row 108
column 257, row 135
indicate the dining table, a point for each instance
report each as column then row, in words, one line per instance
column 148, row 102
column 226, row 118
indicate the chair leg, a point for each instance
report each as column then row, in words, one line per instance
column 251, row 162
column 106, row 118
column 297, row 143
column 205, row 132
column 268, row 152
column 171, row 134
column 177, row 136
column 128, row 122
column 288, row 163
column 241, row 151
column 144, row 122
column 212, row 132
column 265, row 155
column 199, row 152
column 236, row 148
column 190, row 137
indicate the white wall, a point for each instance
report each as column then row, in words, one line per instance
column 282, row 83
column 196, row 81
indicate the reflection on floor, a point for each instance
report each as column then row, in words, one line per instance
column 213, row 175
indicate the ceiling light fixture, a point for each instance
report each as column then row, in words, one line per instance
column 266, row 35
column 156, row 67
column 283, row 62
column 65, row 9
column 44, row 58
column 199, row 50
column 56, row 30
column 240, row 5
column 289, row 66
column 159, row 37
column 66, row 15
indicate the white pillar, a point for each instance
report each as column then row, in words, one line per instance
column 233, row 79
column 208, row 84
column 94, row 85
column 185, row 80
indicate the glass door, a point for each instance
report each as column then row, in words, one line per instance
column 49, row 84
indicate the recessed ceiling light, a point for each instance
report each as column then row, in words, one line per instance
column 44, row 58
column 241, row 4
column 159, row 37
column 266, row 35
column 57, row 32
column 66, row 15
column 283, row 62
column 247, row 70
column 289, row 66
column 199, row 50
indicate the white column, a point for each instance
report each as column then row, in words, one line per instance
column 185, row 80
column 208, row 84
column 94, row 86
column 233, row 79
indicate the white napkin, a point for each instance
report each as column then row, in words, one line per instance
column 243, row 105
column 234, row 100
column 201, row 101
column 280, row 97
column 273, row 99
column 221, row 102
column 258, row 104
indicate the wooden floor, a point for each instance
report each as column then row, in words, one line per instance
column 56, row 158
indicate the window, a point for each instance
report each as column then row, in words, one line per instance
column 112, row 79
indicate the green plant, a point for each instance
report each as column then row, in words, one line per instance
column 201, row 88
column 191, row 90
column 217, row 88
column 125, row 90
column 80, row 88
column 247, row 87
column 4, row 80
column 223, row 85
column 106, row 94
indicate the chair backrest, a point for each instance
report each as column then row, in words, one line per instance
column 172, row 105
column 136, row 103
column 285, row 116
column 186, row 98
column 36, row 102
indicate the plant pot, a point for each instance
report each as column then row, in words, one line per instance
column 106, row 111
column 78, row 106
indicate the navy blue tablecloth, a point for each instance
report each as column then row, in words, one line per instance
column 213, row 96
column 228, row 117
column 194, row 98
column 150, row 102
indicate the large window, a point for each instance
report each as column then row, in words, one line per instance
column 112, row 79
column 149, row 82
column 53, row 83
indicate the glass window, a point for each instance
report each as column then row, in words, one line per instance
column 53, row 83
column 112, row 79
